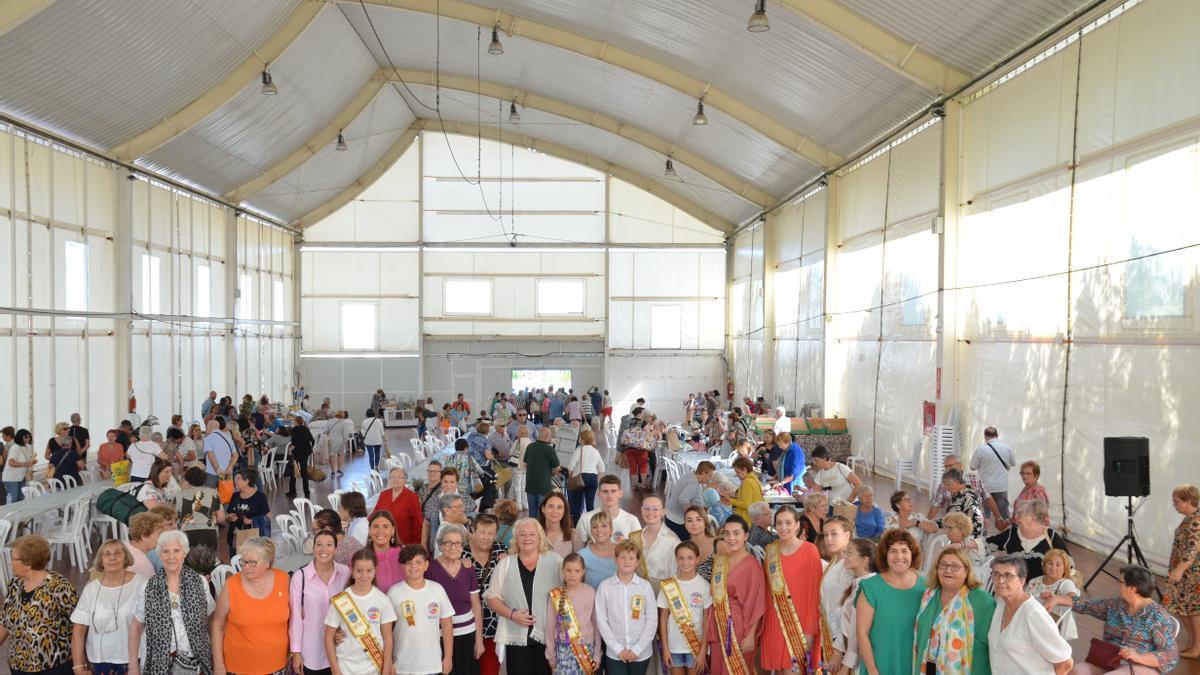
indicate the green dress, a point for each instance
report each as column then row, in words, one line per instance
column 983, row 606
column 891, row 631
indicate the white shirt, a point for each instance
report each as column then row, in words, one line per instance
column 372, row 431
column 21, row 453
column 849, row 620
column 622, row 525
column 698, row 595
column 377, row 609
column 417, row 648
column 358, row 529
column 1030, row 645
column 833, row 587
column 592, row 461
column 783, row 425
column 615, row 606
column 834, row 481
column 992, row 472
column 660, row 556
column 141, row 457
column 107, row 613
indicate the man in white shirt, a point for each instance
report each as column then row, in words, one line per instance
column 993, row 460
column 685, row 492
column 836, row 479
column 623, row 522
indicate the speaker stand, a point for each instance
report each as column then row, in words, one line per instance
column 1132, row 551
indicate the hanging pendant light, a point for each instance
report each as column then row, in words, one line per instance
column 268, row 85
column 670, row 172
column 495, row 48
column 758, row 21
column 514, row 117
column 341, row 143
column 699, row 119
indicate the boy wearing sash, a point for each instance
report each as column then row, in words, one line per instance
column 366, row 616
column 423, row 619
column 683, row 602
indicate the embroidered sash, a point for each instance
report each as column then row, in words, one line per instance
column 358, row 627
column 730, row 647
column 826, row 636
column 682, row 614
column 785, row 610
column 569, row 624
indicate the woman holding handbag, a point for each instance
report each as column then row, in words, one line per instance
column 586, row 464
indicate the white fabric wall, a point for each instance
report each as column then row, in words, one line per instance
column 690, row 280
column 745, row 317
column 663, row 380
column 387, row 278
column 389, row 210
column 798, row 298
column 638, row 217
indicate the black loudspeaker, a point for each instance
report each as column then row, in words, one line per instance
column 1126, row 466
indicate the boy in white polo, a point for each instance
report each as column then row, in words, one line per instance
column 423, row 613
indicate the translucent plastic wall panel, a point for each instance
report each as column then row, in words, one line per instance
column 664, row 381
column 914, row 176
column 636, row 216
column 862, row 199
column 639, row 281
column 70, row 376
column 550, row 200
column 387, row 278
column 387, row 211
column 1134, row 74
column 102, row 404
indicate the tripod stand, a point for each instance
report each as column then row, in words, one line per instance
column 1133, row 550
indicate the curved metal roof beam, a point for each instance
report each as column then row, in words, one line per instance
column 13, row 13
column 602, row 51
column 598, row 163
column 250, row 70
column 882, row 46
column 312, row 146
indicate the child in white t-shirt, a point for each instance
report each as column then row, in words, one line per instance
column 367, row 605
column 697, row 597
column 423, row 614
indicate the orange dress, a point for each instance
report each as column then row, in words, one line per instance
column 256, row 632
column 802, row 573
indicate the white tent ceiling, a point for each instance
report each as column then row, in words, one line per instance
column 173, row 85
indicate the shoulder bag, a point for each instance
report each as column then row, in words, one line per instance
column 575, row 480
column 998, row 458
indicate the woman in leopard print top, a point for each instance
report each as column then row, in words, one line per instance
column 37, row 611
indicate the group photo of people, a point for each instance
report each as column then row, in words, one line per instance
column 537, row 532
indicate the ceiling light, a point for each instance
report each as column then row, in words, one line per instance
column 496, row 48
column 758, row 20
column 514, row 117
column 268, row 85
column 341, row 143
column 699, row 119
column 670, row 172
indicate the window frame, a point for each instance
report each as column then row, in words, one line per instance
column 491, row 295
column 537, row 296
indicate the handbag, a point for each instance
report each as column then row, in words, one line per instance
column 225, row 490
column 1104, row 655
column 575, row 481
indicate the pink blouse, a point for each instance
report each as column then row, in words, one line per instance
column 309, row 598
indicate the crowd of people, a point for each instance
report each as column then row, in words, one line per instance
column 708, row 576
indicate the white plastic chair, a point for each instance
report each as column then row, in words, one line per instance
column 910, row 464
column 280, row 462
column 264, row 470
column 219, row 575
column 71, row 533
column 70, row 482
column 335, row 499
column 54, row 485
column 307, row 511
column 236, row 563
column 6, row 528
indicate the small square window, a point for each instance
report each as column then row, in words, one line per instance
column 467, row 296
column 560, row 297
column 360, row 326
column 664, row 327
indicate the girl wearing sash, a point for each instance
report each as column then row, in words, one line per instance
column 792, row 623
column 683, row 603
column 739, row 594
column 860, row 560
column 366, row 616
column 572, row 643
column 835, row 581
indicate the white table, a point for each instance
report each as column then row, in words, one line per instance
column 52, row 501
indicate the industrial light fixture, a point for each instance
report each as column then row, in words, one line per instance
column 514, row 117
column 496, row 49
column 758, row 20
column 670, row 172
column 341, row 143
column 699, row 119
column 268, row 85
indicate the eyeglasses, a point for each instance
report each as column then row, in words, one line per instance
column 251, row 563
column 452, row 543
column 1006, row 577
column 950, row 567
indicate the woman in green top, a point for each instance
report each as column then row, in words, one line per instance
column 950, row 637
column 887, row 606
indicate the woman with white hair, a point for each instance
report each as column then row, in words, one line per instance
column 522, row 631
column 173, row 611
column 1031, row 539
column 783, row 423
column 142, row 454
column 250, row 623
column 100, row 635
column 462, row 588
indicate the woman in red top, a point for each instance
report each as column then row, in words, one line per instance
column 110, row 451
column 404, row 506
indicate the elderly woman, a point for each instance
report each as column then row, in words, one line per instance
column 462, row 588
column 404, row 506
column 144, row 531
column 100, row 638
column 37, row 611
column 1133, row 622
column 953, row 621
column 142, row 454
column 1031, row 538
column 868, row 518
column 430, row 498
column 250, row 624
column 522, row 630
column 812, row 520
column 1022, row 638
column 308, row 597
column 904, row 516
column 482, row 552
column 63, row 453
column 888, row 603
column 1183, row 579
column 175, row 596
column 1031, row 471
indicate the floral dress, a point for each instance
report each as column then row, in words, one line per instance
column 1183, row 596
column 1150, row 631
